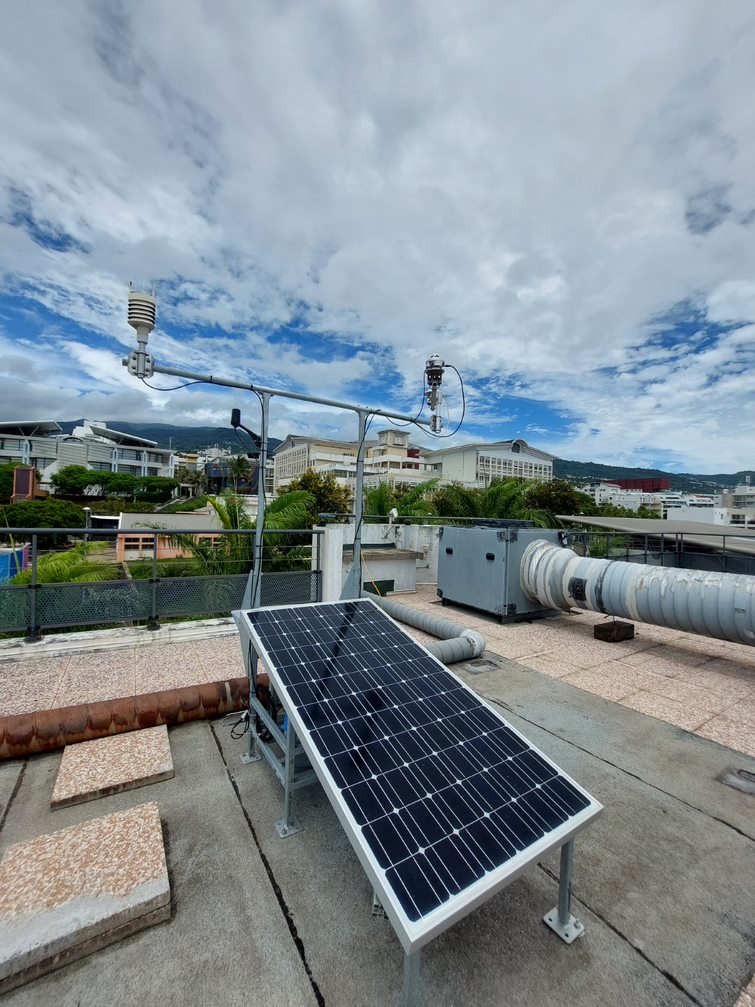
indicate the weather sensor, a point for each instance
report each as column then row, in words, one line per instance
column 142, row 308
column 434, row 376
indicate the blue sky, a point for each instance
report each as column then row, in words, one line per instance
column 557, row 198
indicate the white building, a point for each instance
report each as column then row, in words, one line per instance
column 93, row 445
column 477, row 465
column 611, row 493
column 391, row 458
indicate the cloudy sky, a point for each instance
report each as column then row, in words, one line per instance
column 559, row 198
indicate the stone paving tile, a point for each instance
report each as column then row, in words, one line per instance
column 667, row 660
column 93, row 769
column 599, row 684
column 220, row 658
column 729, row 732
column 693, row 695
column 24, row 695
column 724, row 677
column 744, row 711
column 90, row 687
column 30, row 667
column 630, row 677
column 71, row 892
column 682, row 715
column 550, row 665
column 167, row 666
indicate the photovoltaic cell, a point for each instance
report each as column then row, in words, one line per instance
column 440, row 790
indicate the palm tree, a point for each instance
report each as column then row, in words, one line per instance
column 235, row 553
column 85, row 563
column 507, row 498
column 457, row 501
column 240, row 470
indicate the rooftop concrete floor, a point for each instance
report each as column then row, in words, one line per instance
column 664, row 881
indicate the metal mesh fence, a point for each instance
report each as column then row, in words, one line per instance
column 15, row 608
column 199, row 595
column 93, row 604
column 208, row 583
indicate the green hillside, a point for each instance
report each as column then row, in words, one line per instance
column 686, row 482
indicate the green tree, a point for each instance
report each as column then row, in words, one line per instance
column 559, row 497
column 77, row 481
column 326, row 495
column 6, row 482
column 82, row 564
column 507, row 498
column 120, row 484
column 234, row 553
column 154, row 489
column 49, row 513
column 379, row 500
column 456, row 500
column 240, row 470
column 412, row 500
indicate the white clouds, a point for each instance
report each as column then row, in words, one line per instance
column 519, row 191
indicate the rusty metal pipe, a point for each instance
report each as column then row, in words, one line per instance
column 28, row 733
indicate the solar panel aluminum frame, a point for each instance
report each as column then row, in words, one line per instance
column 414, row 935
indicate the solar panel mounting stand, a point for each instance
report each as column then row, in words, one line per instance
column 410, row 989
column 559, row 919
column 286, row 768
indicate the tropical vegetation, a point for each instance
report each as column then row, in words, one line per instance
column 328, row 497
column 85, row 563
column 79, row 481
column 235, row 553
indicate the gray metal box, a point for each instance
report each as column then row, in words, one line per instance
column 479, row 567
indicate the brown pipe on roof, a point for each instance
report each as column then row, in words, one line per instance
column 27, row 733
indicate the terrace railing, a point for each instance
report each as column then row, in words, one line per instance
column 144, row 575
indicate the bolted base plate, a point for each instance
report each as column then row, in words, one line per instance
column 246, row 758
column 286, row 829
column 568, row 933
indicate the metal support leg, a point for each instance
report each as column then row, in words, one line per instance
column 559, row 919
column 251, row 754
column 288, row 825
column 410, row 988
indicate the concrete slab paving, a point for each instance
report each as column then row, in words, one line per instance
column 77, row 890
column 93, row 769
column 228, row 941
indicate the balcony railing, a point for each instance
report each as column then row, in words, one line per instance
column 192, row 573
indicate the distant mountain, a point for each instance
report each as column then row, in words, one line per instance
column 181, row 439
column 685, row 482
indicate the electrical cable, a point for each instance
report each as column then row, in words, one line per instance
column 243, row 719
column 172, row 388
column 419, row 411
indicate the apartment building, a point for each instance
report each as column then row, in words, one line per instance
column 92, row 444
column 391, row 458
column 477, row 465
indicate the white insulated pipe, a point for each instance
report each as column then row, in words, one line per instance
column 720, row 605
column 455, row 644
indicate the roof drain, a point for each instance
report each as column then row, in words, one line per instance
column 455, row 644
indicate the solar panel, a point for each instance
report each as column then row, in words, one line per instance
column 443, row 801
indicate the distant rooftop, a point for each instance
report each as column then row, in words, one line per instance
column 498, row 445
column 29, row 428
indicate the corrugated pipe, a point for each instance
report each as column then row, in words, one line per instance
column 26, row 733
column 457, row 643
column 721, row 605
